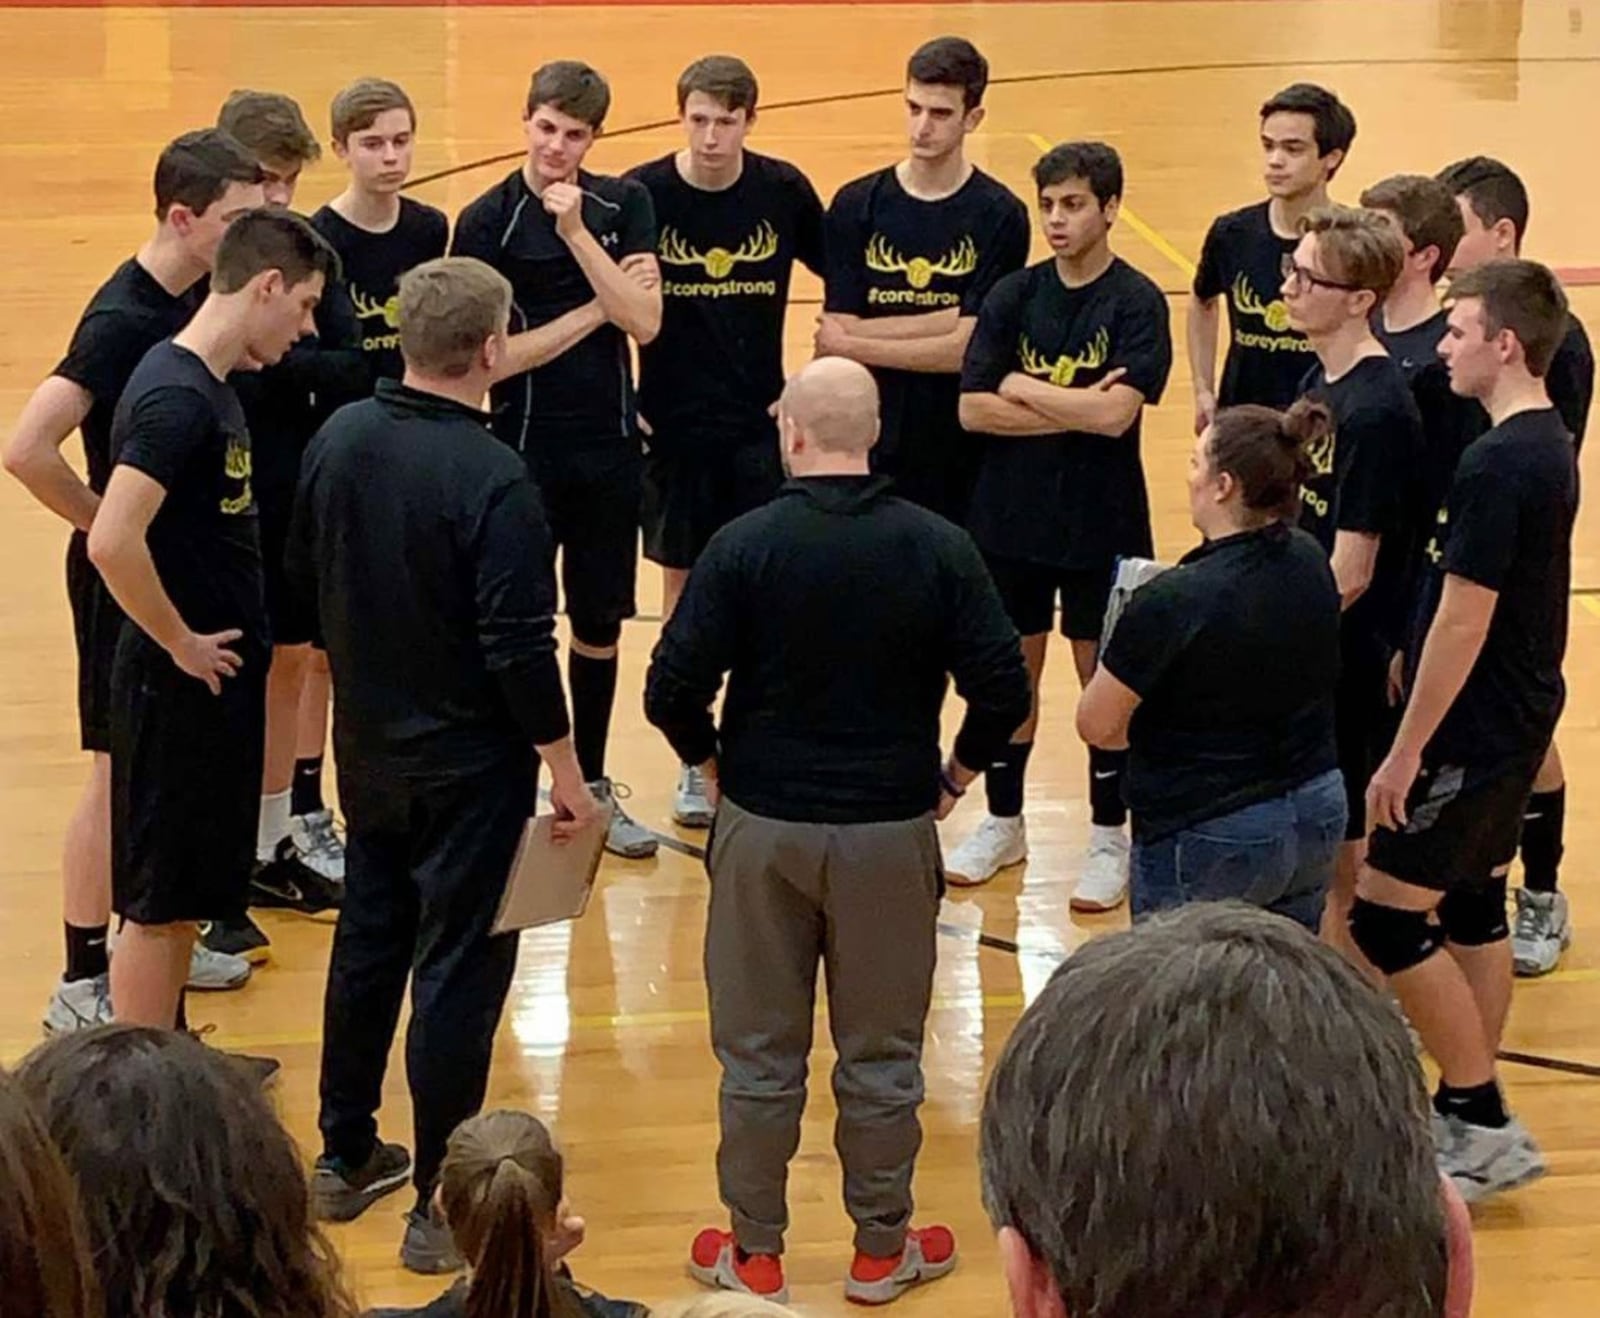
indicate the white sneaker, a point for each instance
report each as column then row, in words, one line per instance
column 317, row 843
column 80, row 1004
column 690, row 808
column 1485, row 1160
column 996, row 844
column 1104, row 883
column 216, row 972
column 625, row 836
column 1541, row 933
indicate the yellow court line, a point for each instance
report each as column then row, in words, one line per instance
column 1150, row 234
column 1590, row 603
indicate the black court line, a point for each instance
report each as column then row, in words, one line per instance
column 1551, row 1063
column 1060, row 75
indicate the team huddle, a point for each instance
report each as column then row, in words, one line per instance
column 1424, row 450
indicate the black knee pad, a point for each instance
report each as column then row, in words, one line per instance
column 596, row 635
column 1392, row 939
column 1475, row 916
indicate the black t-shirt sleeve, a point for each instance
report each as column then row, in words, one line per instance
column 1571, row 382
column 1006, row 253
column 992, row 351
column 1210, row 278
column 985, row 660
column 810, row 247
column 165, row 430
column 637, row 222
column 1154, row 630
column 1372, row 494
column 476, row 234
column 1143, row 345
column 1484, row 513
column 436, row 235
column 101, row 357
column 845, row 239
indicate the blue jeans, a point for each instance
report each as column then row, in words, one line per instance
column 1276, row 854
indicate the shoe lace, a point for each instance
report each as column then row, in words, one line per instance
column 1532, row 922
column 323, row 836
column 694, row 782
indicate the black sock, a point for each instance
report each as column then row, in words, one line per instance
column 182, row 1020
column 1003, row 780
column 1477, row 1105
column 1105, row 787
column 86, row 952
column 593, row 684
column 305, row 796
column 1542, row 828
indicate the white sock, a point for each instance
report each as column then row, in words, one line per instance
column 274, row 824
column 1107, row 836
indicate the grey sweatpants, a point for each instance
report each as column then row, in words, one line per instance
column 863, row 900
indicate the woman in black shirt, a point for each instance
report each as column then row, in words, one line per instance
column 1220, row 677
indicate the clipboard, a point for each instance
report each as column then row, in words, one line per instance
column 549, row 883
column 1131, row 573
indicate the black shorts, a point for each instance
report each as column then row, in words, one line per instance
column 592, row 506
column 96, row 623
column 1463, row 823
column 292, row 619
column 692, row 490
column 1029, row 591
column 185, row 785
column 1363, row 727
column 942, row 482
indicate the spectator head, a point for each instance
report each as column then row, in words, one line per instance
column 1212, row 1113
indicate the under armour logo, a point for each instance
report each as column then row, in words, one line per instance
column 609, row 239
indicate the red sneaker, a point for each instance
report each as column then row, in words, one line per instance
column 929, row 1253
column 716, row 1260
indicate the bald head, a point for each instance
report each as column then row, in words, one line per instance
column 833, row 403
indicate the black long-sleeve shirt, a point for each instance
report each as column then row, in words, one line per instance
column 423, row 543
column 837, row 612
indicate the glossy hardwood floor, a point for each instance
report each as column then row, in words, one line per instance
column 605, row 1035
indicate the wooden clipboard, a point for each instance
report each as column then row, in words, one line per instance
column 549, row 882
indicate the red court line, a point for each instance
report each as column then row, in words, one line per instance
column 1579, row 276
column 509, row 4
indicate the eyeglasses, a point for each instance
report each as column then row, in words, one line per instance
column 1298, row 277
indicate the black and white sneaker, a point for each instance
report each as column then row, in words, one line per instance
column 287, row 883
column 240, row 936
column 341, row 1193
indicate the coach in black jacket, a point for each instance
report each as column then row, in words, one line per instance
column 837, row 611
column 422, row 542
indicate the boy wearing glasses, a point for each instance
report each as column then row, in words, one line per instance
column 1363, row 500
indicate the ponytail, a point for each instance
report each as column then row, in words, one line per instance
column 1271, row 454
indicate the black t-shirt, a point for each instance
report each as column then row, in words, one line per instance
column 1508, row 527
column 184, row 428
column 892, row 254
column 726, row 256
column 129, row 314
column 373, row 264
column 1071, row 500
column 1242, row 260
column 584, row 396
column 1368, row 477
column 1234, row 655
column 1570, row 380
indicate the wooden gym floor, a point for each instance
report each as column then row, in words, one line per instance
column 605, row 1035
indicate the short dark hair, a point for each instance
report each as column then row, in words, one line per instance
column 1492, row 189
column 1523, row 297
column 1095, row 163
column 1359, row 247
column 1426, row 210
column 727, row 79
column 951, row 62
column 271, row 125
column 1267, row 452
column 271, row 238
column 1213, row 1113
column 572, row 87
column 1334, row 125
column 357, row 107
column 194, row 1193
column 194, row 170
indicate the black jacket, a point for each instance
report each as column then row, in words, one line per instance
column 837, row 611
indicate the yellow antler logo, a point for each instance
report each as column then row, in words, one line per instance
column 1320, row 454
column 369, row 308
column 1275, row 313
column 719, row 261
column 962, row 259
column 1065, row 368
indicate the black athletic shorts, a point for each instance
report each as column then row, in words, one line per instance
column 1363, row 725
column 592, row 505
column 185, row 785
column 692, row 490
column 96, row 623
column 1463, row 823
column 292, row 619
column 1029, row 592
